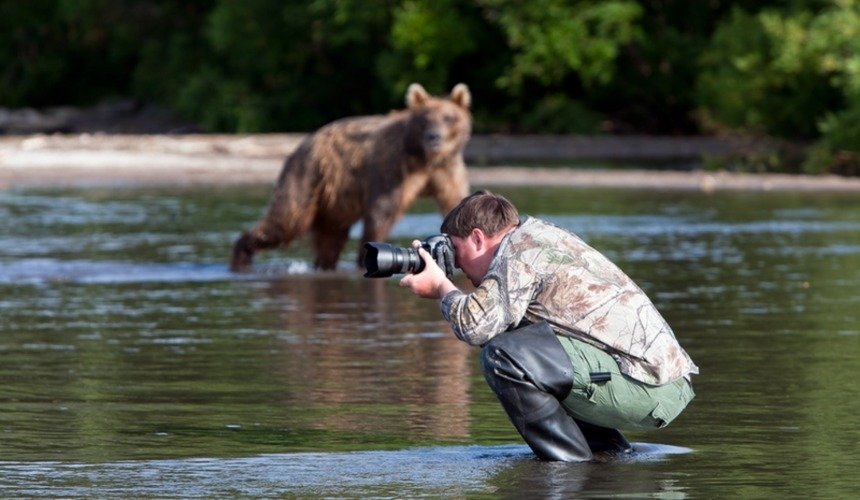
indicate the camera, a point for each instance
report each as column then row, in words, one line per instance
column 382, row 260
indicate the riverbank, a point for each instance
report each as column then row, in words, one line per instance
column 112, row 160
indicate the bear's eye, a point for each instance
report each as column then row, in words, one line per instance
column 450, row 119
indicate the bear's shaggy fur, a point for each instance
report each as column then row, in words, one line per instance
column 367, row 167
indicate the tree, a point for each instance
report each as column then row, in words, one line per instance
column 791, row 73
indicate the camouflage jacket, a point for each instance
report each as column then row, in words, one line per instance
column 543, row 272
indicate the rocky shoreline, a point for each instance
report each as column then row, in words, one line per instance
column 113, row 160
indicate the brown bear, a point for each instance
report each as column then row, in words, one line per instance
column 366, row 167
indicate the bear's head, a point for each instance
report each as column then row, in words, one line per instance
column 438, row 126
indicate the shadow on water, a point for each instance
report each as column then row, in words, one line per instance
column 135, row 364
column 435, row 471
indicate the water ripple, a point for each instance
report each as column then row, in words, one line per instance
column 446, row 471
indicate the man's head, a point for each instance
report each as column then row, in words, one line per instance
column 489, row 212
column 476, row 227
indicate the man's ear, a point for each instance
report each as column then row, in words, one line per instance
column 479, row 239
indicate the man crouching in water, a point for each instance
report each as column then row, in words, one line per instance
column 572, row 348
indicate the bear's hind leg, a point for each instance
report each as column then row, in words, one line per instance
column 243, row 253
column 249, row 244
column 328, row 244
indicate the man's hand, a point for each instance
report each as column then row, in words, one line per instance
column 444, row 258
column 431, row 283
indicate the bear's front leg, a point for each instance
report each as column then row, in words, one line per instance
column 378, row 221
column 448, row 186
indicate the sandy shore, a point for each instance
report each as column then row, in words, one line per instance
column 107, row 160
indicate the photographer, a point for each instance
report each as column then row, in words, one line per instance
column 572, row 348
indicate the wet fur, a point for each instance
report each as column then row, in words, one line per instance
column 369, row 168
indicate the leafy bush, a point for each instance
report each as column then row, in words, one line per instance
column 784, row 69
column 793, row 74
column 838, row 151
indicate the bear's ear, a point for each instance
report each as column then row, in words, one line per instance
column 416, row 96
column 461, row 96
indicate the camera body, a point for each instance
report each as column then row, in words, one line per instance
column 382, row 260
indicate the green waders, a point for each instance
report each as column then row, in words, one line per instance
column 551, row 401
column 601, row 393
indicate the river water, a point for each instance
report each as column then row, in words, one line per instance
column 134, row 364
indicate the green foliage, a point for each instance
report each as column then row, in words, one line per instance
column 760, row 75
column 785, row 69
column 793, row 73
column 838, row 151
column 652, row 90
column 837, row 42
column 30, row 63
column 274, row 65
column 72, row 52
column 552, row 38
column 556, row 114
column 427, row 38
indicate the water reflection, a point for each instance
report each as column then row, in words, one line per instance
column 358, row 342
column 452, row 471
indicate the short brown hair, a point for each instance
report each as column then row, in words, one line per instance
column 487, row 211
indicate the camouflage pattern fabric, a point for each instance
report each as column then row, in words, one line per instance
column 544, row 272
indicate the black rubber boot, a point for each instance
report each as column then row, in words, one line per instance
column 530, row 373
column 604, row 439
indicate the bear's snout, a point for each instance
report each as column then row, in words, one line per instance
column 433, row 140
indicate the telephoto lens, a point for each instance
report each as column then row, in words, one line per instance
column 382, row 260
